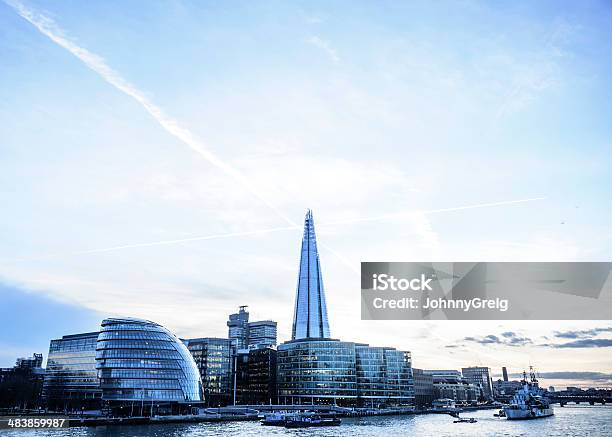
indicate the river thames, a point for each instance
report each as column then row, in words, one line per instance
column 572, row 420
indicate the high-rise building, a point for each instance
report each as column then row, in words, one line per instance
column 310, row 315
column 505, row 373
column 315, row 369
column 71, row 378
column 480, row 377
column 262, row 333
column 214, row 360
column 238, row 327
column 246, row 334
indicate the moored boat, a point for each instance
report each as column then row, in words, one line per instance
column 311, row 420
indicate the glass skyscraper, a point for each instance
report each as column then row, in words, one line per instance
column 310, row 315
column 315, row 369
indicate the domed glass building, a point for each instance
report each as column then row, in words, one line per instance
column 139, row 360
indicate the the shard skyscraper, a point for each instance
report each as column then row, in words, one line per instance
column 310, row 316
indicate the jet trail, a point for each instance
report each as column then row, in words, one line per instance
column 431, row 211
column 98, row 64
column 286, row 228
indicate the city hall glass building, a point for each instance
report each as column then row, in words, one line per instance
column 316, row 369
column 141, row 360
column 128, row 361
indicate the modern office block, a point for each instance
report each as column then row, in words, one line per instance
column 256, row 377
column 479, row 376
column 214, row 358
column 71, row 378
column 238, row 327
column 262, row 334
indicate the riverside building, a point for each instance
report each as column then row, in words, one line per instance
column 315, row 369
column 479, row 376
column 130, row 367
column 214, row 358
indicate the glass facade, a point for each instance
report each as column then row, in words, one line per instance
column 343, row 373
column 256, row 377
column 480, row 377
column 317, row 372
column 71, row 378
column 138, row 360
column 262, row 333
column 214, row 360
column 310, row 314
column 238, row 327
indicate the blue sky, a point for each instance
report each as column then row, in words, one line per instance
column 354, row 109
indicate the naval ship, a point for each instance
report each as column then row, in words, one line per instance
column 528, row 402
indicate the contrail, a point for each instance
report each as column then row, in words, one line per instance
column 286, row 228
column 47, row 27
column 98, row 64
column 161, row 243
column 430, row 211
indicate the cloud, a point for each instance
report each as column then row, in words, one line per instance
column 507, row 338
column 580, row 334
column 325, row 46
column 579, row 344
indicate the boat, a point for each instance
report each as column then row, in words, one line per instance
column 529, row 401
column 465, row 420
column 276, row 419
column 311, row 420
column 500, row 413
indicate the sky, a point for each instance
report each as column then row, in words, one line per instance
column 157, row 160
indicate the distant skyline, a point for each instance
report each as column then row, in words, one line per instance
column 156, row 160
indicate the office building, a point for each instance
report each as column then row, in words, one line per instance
column 21, row 385
column 238, row 327
column 450, row 384
column 256, row 376
column 503, row 391
column 33, row 362
column 262, row 334
column 384, row 376
column 316, row 372
column 423, row 388
column 480, row 377
column 214, row 358
column 247, row 334
column 505, row 373
column 71, row 378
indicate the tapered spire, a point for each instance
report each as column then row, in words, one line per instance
column 310, row 316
